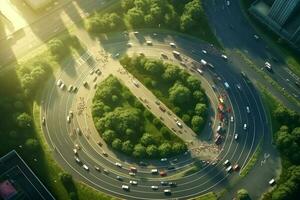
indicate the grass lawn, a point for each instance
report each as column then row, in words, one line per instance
column 207, row 196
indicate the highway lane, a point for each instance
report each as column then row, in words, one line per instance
column 235, row 32
column 207, row 179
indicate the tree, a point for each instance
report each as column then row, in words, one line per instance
column 127, row 147
column 165, row 149
column 197, row 122
column 127, row 4
column 139, row 151
column 200, row 109
column 193, row 83
column 147, row 139
column 165, row 133
column 154, row 67
column 32, row 144
column 109, row 136
column 186, row 118
column 171, row 73
column 65, row 178
column 242, row 194
column 135, row 17
column 117, row 144
column 178, row 148
column 57, row 48
column 24, row 120
column 199, row 96
column 152, row 151
column 179, row 94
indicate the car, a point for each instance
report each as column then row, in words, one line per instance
column 71, row 113
column 131, row 173
column 164, row 183
column 167, row 192
column 62, row 86
column 248, row 109
column 44, row 121
column 78, row 131
column 199, row 71
column 85, row 167
column 68, row 119
column 133, row 169
column 135, row 83
column 171, row 168
column 256, row 37
column 272, row 182
column 154, row 187
column 149, row 42
column 236, row 167
column 85, row 83
column 172, row 184
column 218, row 139
column 141, row 54
column 178, row 124
column 224, row 57
column 243, row 74
column 229, row 169
column 119, row 178
column 226, row 85
column 125, row 187
column 154, row 171
column 239, row 86
column 162, row 108
column 163, row 55
column 245, row 127
column 98, row 72
column 163, row 173
column 59, row 82
column 135, row 32
column 104, row 153
column 117, row 55
column 95, row 79
column 75, row 89
column 297, row 84
column 92, row 72
column 236, row 136
column 75, row 151
column 228, row 3
column 172, row 44
column 70, row 88
column 154, row 34
column 211, row 65
column 226, row 163
column 118, row 164
column 231, row 118
column 203, row 62
column 268, row 66
column 77, row 146
column 97, row 168
column 204, row 51
column 176, row 54
column 133, row 182
column 163, row 159
column 100, row 143
column 105, row 171
column 77, row 160
column 129, row 44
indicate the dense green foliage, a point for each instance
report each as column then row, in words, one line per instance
column 287, row 138
column 243, row 194
column 127, row 126
column 186, row 16
column 179, row 90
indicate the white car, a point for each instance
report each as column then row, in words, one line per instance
column 231, row 118
column 199, row 71
column 118, row 164
column 92, row 72
column 62, row 86
column 226, row 163
column 228, row 169
column 239, row 86
column 204, row 51
column 77, row 160
column 75, row 151
column 268, row 66
column 154, row 171
column 59, row 82
column 129, row 44
column 272, row 182
column 85, row 167
column 117, row 55
column 149, row 42
column 133, row 182
column 136, row 32
column 224, row 56
column 248, row 109
column 167, row 191
column 125, row 187
column 154, row 187
column 68, row 119
column 228, row 3
column 172, row 44
column 236, row 136
column 256, row 37
column 179, row 124
column 131, row 173
column 163, row 159
column 245, row 127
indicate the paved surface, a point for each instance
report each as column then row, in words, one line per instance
column 62, row 138
column 235, row 32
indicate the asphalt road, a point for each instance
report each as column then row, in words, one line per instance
column 211, row 177
column 235, row 32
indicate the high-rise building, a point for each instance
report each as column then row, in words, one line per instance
column 281, row 16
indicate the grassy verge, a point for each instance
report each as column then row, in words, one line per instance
column 290, row 56
column 207, row 196
column 252, row 160
column 267, row 78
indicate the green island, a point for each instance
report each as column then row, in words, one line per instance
column 175, row 87
column 127, row 126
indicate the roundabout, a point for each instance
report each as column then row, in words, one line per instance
column 71, row 133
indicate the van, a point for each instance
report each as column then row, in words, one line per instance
column 149, row 42
column 133, row 169
column 176, row 53
column 125, row 187
column 228, row 169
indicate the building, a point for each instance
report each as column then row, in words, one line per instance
column 17, row 181
column 38, row 4
column 281, row 16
